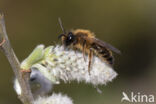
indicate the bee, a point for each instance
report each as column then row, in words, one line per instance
column 85, row 41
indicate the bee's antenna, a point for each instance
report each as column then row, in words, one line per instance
column 60, row 22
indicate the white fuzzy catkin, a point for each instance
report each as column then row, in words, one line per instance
column 39, row 84
column 55, row 64
column 54, row 99
column 69, row 65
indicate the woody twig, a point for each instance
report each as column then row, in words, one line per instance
column 26, row 97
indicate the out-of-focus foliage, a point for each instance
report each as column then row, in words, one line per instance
column 129, row 25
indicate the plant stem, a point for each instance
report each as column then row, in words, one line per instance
column 26, row 97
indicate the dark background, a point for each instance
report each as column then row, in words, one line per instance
column 129, row 25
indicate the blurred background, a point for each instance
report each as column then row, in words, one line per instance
column 129, row 25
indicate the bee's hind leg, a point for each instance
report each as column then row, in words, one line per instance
column 90, row 56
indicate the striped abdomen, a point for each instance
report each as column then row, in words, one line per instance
column 104, row 53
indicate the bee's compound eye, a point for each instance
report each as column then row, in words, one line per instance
column 70, row 38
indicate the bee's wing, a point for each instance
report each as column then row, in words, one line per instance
column 104, row 44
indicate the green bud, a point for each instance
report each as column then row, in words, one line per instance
column 36, row 56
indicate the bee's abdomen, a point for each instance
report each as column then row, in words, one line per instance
column 103, row 53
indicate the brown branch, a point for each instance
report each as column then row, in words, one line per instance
column 26, row 97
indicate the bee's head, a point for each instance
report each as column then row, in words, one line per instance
column 67, row 39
